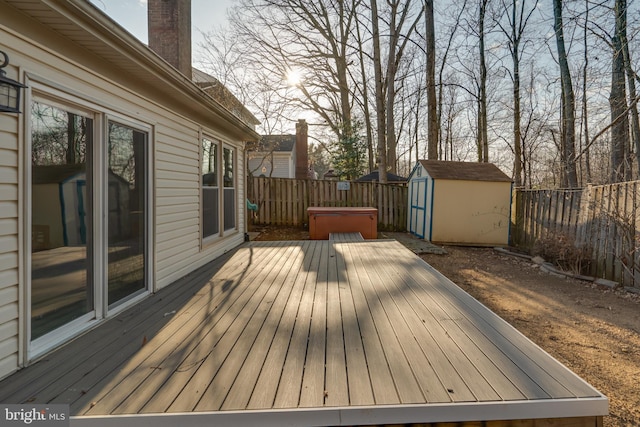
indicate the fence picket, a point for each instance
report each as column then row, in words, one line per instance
column 604, row 218
column 283, row 201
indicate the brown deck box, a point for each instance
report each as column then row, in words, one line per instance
column 324, row 220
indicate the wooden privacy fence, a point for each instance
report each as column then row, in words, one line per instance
column 283, row 201
column 603, row 220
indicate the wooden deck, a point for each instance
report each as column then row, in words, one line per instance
column 311, row 332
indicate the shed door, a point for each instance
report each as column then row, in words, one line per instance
column 418, row 199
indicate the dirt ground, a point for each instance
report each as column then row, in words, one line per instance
column 595, row 331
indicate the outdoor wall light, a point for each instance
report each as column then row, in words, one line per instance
column 9, row 89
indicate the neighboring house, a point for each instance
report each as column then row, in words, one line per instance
column 375, row 177
column 274, row 156
column 459, row 203
column 280, row 156
column 120, row 175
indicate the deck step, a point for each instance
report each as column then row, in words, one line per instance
column 346, row 237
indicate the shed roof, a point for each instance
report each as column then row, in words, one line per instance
column 54, row 174
column 470, row 171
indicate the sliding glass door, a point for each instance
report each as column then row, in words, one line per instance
column 89, row 219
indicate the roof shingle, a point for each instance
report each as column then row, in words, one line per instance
column 471, row 171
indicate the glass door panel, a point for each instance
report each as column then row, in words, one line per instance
column 126, row 206
column 61, row 227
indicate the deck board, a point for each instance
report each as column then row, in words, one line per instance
column 293, row 325
column 556, row 380
column 312, row 393
column 406, row 384
column 290, row 385
column 174, row 353
column 336, row 386
column 270, row 376
column 358, row 378
column 61, row 370
column 421, row 345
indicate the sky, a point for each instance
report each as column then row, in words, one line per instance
column 132, row 15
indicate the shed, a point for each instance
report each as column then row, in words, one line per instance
column 459, row 203
column 60, row 205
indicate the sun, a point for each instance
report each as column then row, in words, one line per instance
column 294, row 78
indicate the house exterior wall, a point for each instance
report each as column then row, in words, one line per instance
column 54, row 67
column 471, row 212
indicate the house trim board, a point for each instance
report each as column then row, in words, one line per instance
column 362, row 415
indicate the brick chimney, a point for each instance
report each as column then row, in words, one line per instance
column 170, row 32
column 302, row 147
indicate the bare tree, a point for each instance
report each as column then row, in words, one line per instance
column 621, row 11
column 483, row 137
column 432, row 106
column 443, row 63
column 585, row 106
column 379, row 94
column 620, row 169
column 570, row 177
column 517, row 21
column 312, row 37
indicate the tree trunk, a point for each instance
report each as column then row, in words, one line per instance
column 432, row 107
column 482, row 103
column 365, row 100
column 568, row 134
column 70, row 155
column 443, row 63
column 380, row 107
column 517, row 134
column 618, row 103
column 392, row 143
column 585, row 109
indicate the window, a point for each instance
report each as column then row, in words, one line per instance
column 210, row 189
column 229, row 188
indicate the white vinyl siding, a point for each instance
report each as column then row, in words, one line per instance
column 276, row 165
column 175, row 150
column 283, row 166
